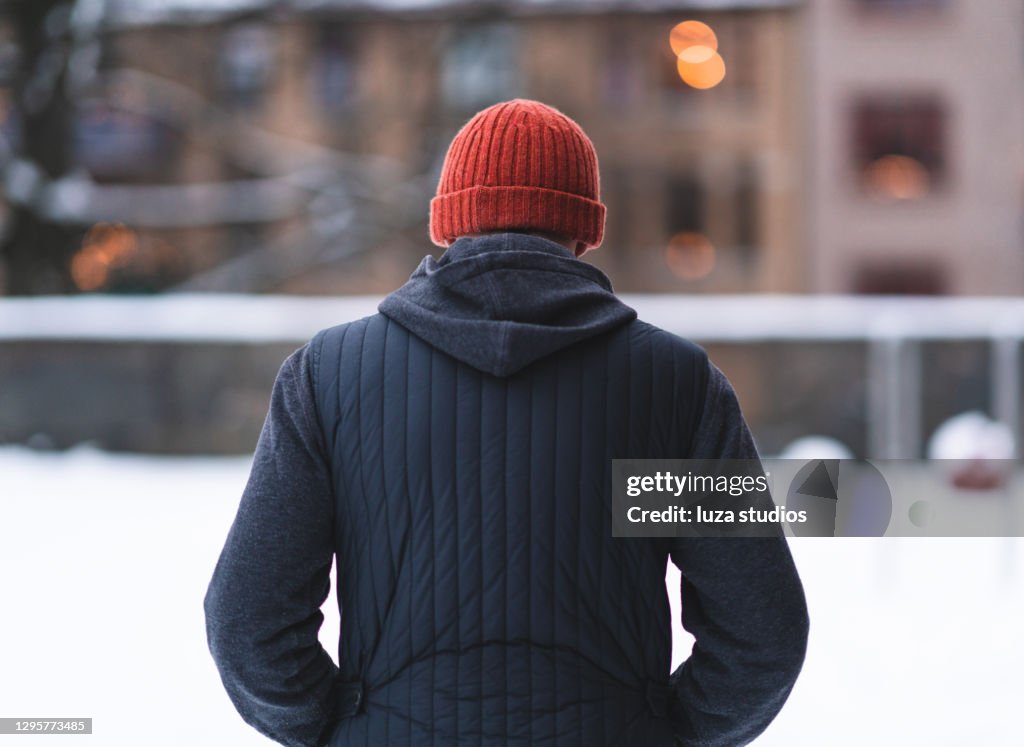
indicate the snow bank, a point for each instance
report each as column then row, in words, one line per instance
column 104, row 561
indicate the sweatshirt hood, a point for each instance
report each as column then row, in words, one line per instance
column 502, row 301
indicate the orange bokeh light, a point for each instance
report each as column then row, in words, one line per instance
column 696, row 54
column 690, row 34
column 705, row 71
column 897, row 177
column 104, row 247
column 690, row 255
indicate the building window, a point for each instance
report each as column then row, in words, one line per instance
column 334, row 69
column 900, row 278
column 689, row 254
column 115, row 145
column 900, row 6
column 10, row 126
column 617, row 193
column 899, row 146
column 481, row 66
column 674, row 92
column 246, row 65
column 9, row 60
column 621, row 72
column 739, row 45
column 746, row 207
column 685, row 204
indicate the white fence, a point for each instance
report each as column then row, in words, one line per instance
column 892, row 327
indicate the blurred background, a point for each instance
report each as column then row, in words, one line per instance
column 827, row 194
column 869, row 148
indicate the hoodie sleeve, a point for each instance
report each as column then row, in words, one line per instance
column 263, row 603
column 743, row 602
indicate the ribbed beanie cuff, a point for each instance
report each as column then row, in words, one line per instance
column 482, row 209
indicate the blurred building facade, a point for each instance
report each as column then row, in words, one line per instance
column 915, row 178
column 862, row 146
column 703, row 187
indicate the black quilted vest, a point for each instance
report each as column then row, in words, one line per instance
column 483, row 599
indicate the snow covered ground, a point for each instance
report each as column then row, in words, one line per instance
column 104, row 561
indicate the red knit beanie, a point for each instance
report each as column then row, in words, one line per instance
column 519, row 166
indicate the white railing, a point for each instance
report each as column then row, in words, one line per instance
column 892, row 327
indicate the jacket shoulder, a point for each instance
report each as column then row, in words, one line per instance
column 337, row 333
column 665, row 343
column 326, row 355
column 327, row 343
column 669, row 378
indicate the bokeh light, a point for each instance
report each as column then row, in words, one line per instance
column 690, row 255
column 690, row 34
column 897, row 177
column 105, row 246
column 707, row 72
column 696, row 54
column 697, row 59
